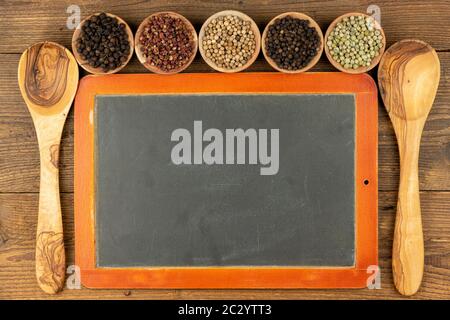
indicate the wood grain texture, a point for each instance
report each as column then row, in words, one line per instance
column 39, row 20
column 26, row 22
column 18, row 221
column 19, row 156
column 45, row 78
column 48, row 79
column 408, row 78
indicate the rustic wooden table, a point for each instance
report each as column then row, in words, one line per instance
column 24, row 22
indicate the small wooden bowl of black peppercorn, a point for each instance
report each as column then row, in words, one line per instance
column 166, row 42
column 103, row 43
column 287, row 54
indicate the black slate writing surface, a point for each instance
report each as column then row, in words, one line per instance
column 153, row 212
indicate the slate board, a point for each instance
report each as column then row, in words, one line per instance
column 151, row 212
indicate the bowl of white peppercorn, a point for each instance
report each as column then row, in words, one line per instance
column 229, row 41
column 354, row 43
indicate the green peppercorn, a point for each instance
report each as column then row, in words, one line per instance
column 355, row 37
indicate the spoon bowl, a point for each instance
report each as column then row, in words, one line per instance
column 422, row 69
column 48, row 80
column 408, row 77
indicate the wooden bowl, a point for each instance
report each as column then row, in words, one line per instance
column 363, row 69
column 253, row 27
column 84, row 64
column 138, row 46
column 312, row 23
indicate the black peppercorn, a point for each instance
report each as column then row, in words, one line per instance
column 103, row 42
column 291, row 43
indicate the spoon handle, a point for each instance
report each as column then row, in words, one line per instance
column 50, row 255
column 408, row 250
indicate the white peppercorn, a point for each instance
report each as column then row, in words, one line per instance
column 228, row 42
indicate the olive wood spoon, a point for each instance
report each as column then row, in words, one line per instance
column 48, row 80
column 408, row 77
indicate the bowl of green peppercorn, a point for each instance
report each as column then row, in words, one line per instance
column 103, row 43
column 354, row 43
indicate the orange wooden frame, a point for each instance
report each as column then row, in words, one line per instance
column 366, row 250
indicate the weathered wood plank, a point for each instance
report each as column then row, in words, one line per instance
column 26, row 22
column 46, row 20
column 19, row 158
column 18, row 214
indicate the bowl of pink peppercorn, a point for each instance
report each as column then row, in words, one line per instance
column 166, row 42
